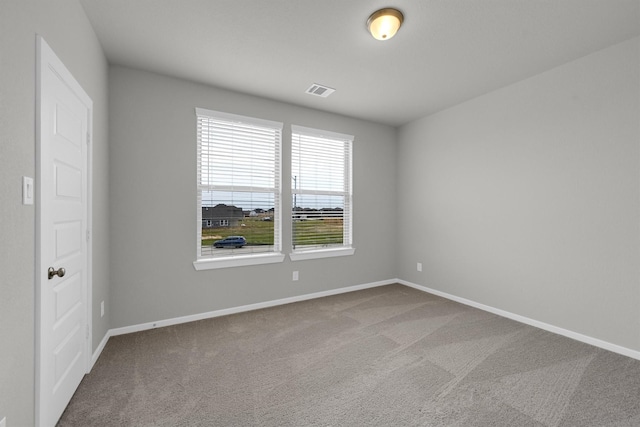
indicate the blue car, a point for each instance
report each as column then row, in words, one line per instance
column 230, row 242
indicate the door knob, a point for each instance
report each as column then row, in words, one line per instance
column 53, row 272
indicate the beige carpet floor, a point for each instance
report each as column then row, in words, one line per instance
column 388, row 356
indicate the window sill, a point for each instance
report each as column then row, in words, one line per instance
column 321, row 253
column 237, row 261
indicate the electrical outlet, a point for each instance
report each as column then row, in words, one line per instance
column 102, row 309
column 3, row 422
column 419, row 266
column 295, row 276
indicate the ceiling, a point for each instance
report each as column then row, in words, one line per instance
column 447, row 51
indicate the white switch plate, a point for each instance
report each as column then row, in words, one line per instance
column 27, row 195
column 419, row 266
column 295, row 275
column 102, row 309
column 3, row 422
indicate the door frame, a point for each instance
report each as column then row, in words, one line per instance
column 46, row 57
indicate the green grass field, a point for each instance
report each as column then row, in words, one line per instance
column 259, row 232
column 318, row 232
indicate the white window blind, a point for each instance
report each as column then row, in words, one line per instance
column 321, row 189
column 238, row 168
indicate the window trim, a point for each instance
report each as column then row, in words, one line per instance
column 238, row 261
column 206, row 263
column 322, row 253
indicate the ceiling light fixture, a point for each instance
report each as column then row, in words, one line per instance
column 385, row 23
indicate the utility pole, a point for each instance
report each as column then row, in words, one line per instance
column 295, row 194
column 295, row 205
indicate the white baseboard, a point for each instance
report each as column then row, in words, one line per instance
column 243, row 308
column 227, row 311
column 547, row 327
column 224, row 312
column 98, row 352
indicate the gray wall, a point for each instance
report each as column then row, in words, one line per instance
column 527, row 199
column 65, row 27
column 153, row 168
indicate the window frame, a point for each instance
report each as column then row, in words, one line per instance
column 346, row 248
column 237, row 260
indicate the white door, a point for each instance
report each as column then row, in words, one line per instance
column 63, row 125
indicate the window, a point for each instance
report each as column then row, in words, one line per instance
column 321, row 193
column 238, row 183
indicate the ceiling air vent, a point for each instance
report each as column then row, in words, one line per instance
column 319, row 90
